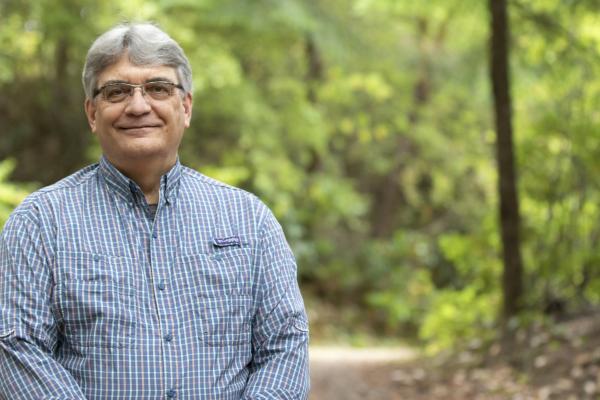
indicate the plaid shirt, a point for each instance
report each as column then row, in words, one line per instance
column 98, row 300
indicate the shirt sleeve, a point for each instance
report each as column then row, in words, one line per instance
column 28, row 330
column 279, row 367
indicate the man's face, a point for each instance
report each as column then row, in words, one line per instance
column 139, row 129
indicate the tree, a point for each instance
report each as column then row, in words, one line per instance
column 507, row 185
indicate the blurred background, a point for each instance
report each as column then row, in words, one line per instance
column 370, row 128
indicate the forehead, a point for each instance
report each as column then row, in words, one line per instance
column 124, row 70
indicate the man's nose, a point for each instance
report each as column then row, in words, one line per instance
column 137, row 103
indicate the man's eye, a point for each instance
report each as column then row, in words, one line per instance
column 157, row 89
column 115, row 92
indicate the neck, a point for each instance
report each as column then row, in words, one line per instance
column 147, row 175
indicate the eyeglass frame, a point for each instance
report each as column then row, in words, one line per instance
column 134, row 86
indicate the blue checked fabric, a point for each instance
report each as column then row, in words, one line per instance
column 100, row 301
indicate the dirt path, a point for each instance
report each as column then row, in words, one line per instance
column 545, row 362
column 399, row 374
column 342, row 373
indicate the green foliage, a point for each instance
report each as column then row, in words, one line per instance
column 10, row 194
column 459, row 316
column 558, row 55
column 366, row 126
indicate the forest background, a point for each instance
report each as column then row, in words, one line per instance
column 368, row 127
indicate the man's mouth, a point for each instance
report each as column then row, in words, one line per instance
column 126, row 127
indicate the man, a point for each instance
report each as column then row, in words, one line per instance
column 138, row 278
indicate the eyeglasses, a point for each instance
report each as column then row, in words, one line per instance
column 119, row 91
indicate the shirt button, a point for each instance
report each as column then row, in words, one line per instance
column 154, row 235
column 171, row 393
column 96, row 258
column 168, row 337
column 161, row 285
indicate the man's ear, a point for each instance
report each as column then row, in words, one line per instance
column 187, row 109
column 90, row 112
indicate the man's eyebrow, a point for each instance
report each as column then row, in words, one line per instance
column 159, row 79
column 113, row 81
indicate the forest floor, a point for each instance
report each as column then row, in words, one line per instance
column 561, row 362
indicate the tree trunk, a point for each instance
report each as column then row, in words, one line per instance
column 314, row 78
column 509, row 204
column 389, row 195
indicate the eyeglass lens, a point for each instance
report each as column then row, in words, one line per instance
column 117, row 92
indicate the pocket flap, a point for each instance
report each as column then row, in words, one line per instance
column 91, row 267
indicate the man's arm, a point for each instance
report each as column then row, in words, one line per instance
column 279, row 368
column 28, row 332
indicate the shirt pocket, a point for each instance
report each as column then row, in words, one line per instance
column 220, row 289
column 226, row 321
column 219, row 274
column 95, row 296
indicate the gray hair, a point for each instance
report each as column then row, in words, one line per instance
column 144, row 43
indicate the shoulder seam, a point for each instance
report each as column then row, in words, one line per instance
column 64, row 185
column 213, row 182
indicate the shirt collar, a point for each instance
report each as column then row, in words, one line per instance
column 128, row 190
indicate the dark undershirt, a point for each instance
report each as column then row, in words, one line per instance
column 152, row 208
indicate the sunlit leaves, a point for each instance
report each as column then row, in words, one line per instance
column 326, row 110
column 10, row 194
column 457, row 316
